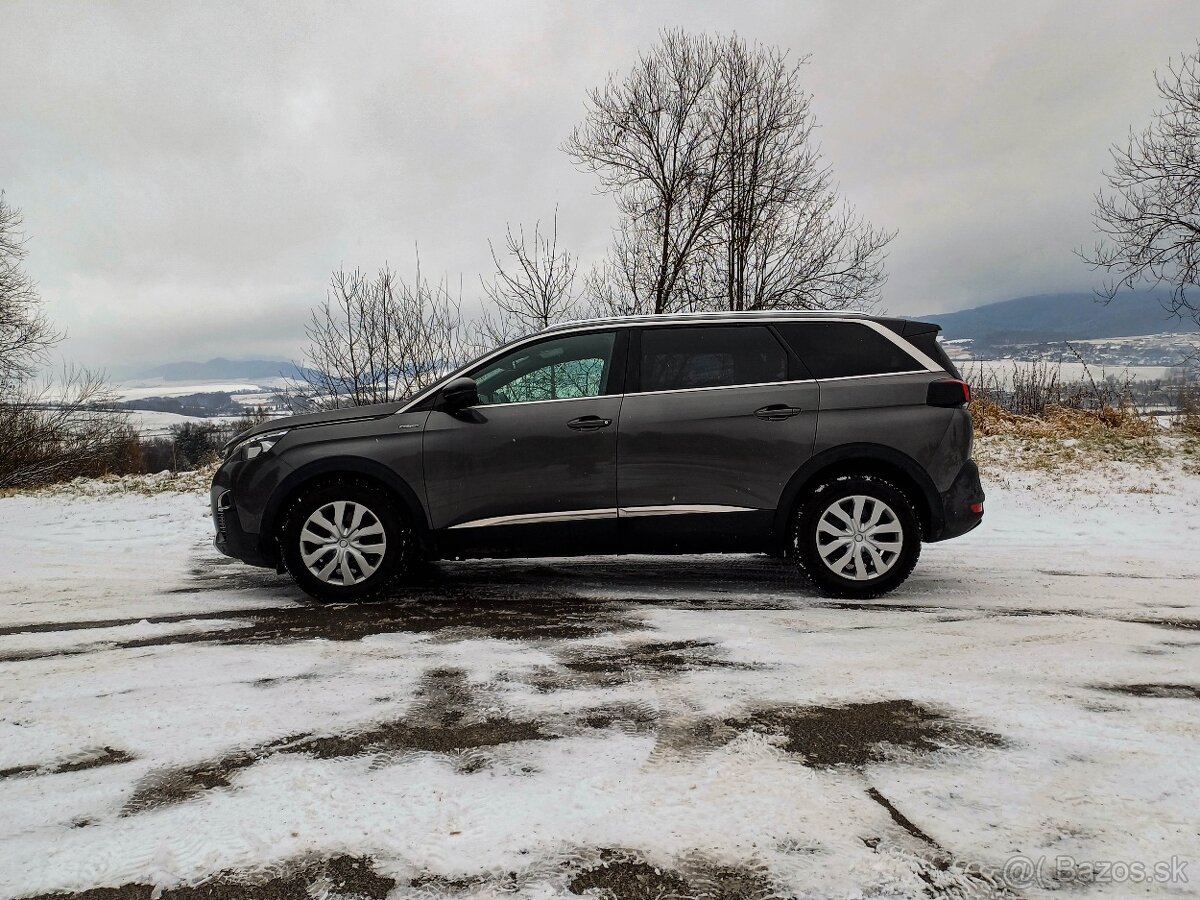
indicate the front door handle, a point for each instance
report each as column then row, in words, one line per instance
column 589, row 423
column 777, row 412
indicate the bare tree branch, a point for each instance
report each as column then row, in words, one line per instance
column 725, row 201
column 26, row 335
column 1149, row 221
column 380, row 339
column 533, row 286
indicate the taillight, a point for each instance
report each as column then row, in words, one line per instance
column 948, row 392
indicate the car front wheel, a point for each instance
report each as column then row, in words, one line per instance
column 345, row 541
column 856, row 536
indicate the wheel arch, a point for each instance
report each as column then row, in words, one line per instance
column 328, row 469
column 864, row 459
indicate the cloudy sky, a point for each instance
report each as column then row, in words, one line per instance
column 190, row 173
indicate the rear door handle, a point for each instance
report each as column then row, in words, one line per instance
column 589, row 423
column 777, row 412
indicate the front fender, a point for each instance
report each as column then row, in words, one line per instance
column 339, row 465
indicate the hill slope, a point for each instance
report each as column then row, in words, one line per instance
column 1061, row 317
column 223, row 370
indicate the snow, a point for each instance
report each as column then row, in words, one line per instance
column 152, row 423
column 160, row 387
column 1074, row 584
column 1068, row 370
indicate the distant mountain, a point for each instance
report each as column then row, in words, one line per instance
column 224, row 370
column 1061, row 317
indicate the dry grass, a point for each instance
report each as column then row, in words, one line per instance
column 1065, row 441
column 1031, row 418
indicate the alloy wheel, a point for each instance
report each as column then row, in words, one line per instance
column 859, row 537
column 342, row 543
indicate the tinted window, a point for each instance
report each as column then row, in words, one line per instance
column 557, row 369
column 694, row 357
column 928, row 344
column 842, row 349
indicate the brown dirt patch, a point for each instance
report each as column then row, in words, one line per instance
column 542, row 619
column 634, row 717
column 1166, row 691
column 628, row 879
column 862, row 733
column 88, row 759
column 168, row 786
column 624, row 875
column 613, row 665
column 445, row 719
column 344, row 876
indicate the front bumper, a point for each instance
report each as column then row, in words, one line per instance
column 231, row 539
column 959, row 504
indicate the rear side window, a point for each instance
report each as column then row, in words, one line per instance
column 928, row 344
column 710, row 356
column 845, row 349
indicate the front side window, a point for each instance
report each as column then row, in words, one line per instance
column 845, row 349
column 686, row 357
column 556, row 369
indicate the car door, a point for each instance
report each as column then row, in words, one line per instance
column 533, row 466
column 716, row 421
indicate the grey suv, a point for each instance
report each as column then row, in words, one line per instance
column 840, row 440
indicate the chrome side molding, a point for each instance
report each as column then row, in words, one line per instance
column 581, row 515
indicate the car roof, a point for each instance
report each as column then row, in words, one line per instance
column 774, row 315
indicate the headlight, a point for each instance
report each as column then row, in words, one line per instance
column 257, row 445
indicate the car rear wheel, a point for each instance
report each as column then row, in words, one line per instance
column 856, row 536
column 346, row 541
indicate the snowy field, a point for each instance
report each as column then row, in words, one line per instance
column 152, row 423
column 1022, row 718
column 1068, row 370
column 160, row 387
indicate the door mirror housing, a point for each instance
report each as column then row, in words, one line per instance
column 461, row 393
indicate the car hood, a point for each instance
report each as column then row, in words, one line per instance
column 326, row 417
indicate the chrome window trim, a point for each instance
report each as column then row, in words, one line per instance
column 567, row 329
column 551, row 400
column 882, row 375
column 722, row 387
column 911, row 349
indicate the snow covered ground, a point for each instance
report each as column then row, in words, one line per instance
column 653, row 728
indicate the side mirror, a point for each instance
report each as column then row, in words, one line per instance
column 460, row 393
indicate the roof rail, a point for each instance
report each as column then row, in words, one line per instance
column 726, row 316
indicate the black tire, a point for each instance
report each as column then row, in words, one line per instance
column 392, row 564
column 836, row 579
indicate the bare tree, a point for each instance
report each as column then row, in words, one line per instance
column 533, row 287
column 725, row 200
column 782, row 237
column 379, row 339
column 649, row 138
column 55, row 431
column 26, row 335
column 1150, row 220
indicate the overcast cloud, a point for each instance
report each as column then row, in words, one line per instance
column 190, row 173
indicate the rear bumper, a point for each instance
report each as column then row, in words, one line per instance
column 957, row 515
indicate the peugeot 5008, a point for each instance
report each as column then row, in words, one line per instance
column 842, row 441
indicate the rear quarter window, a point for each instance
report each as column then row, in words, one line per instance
column 845, row 349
